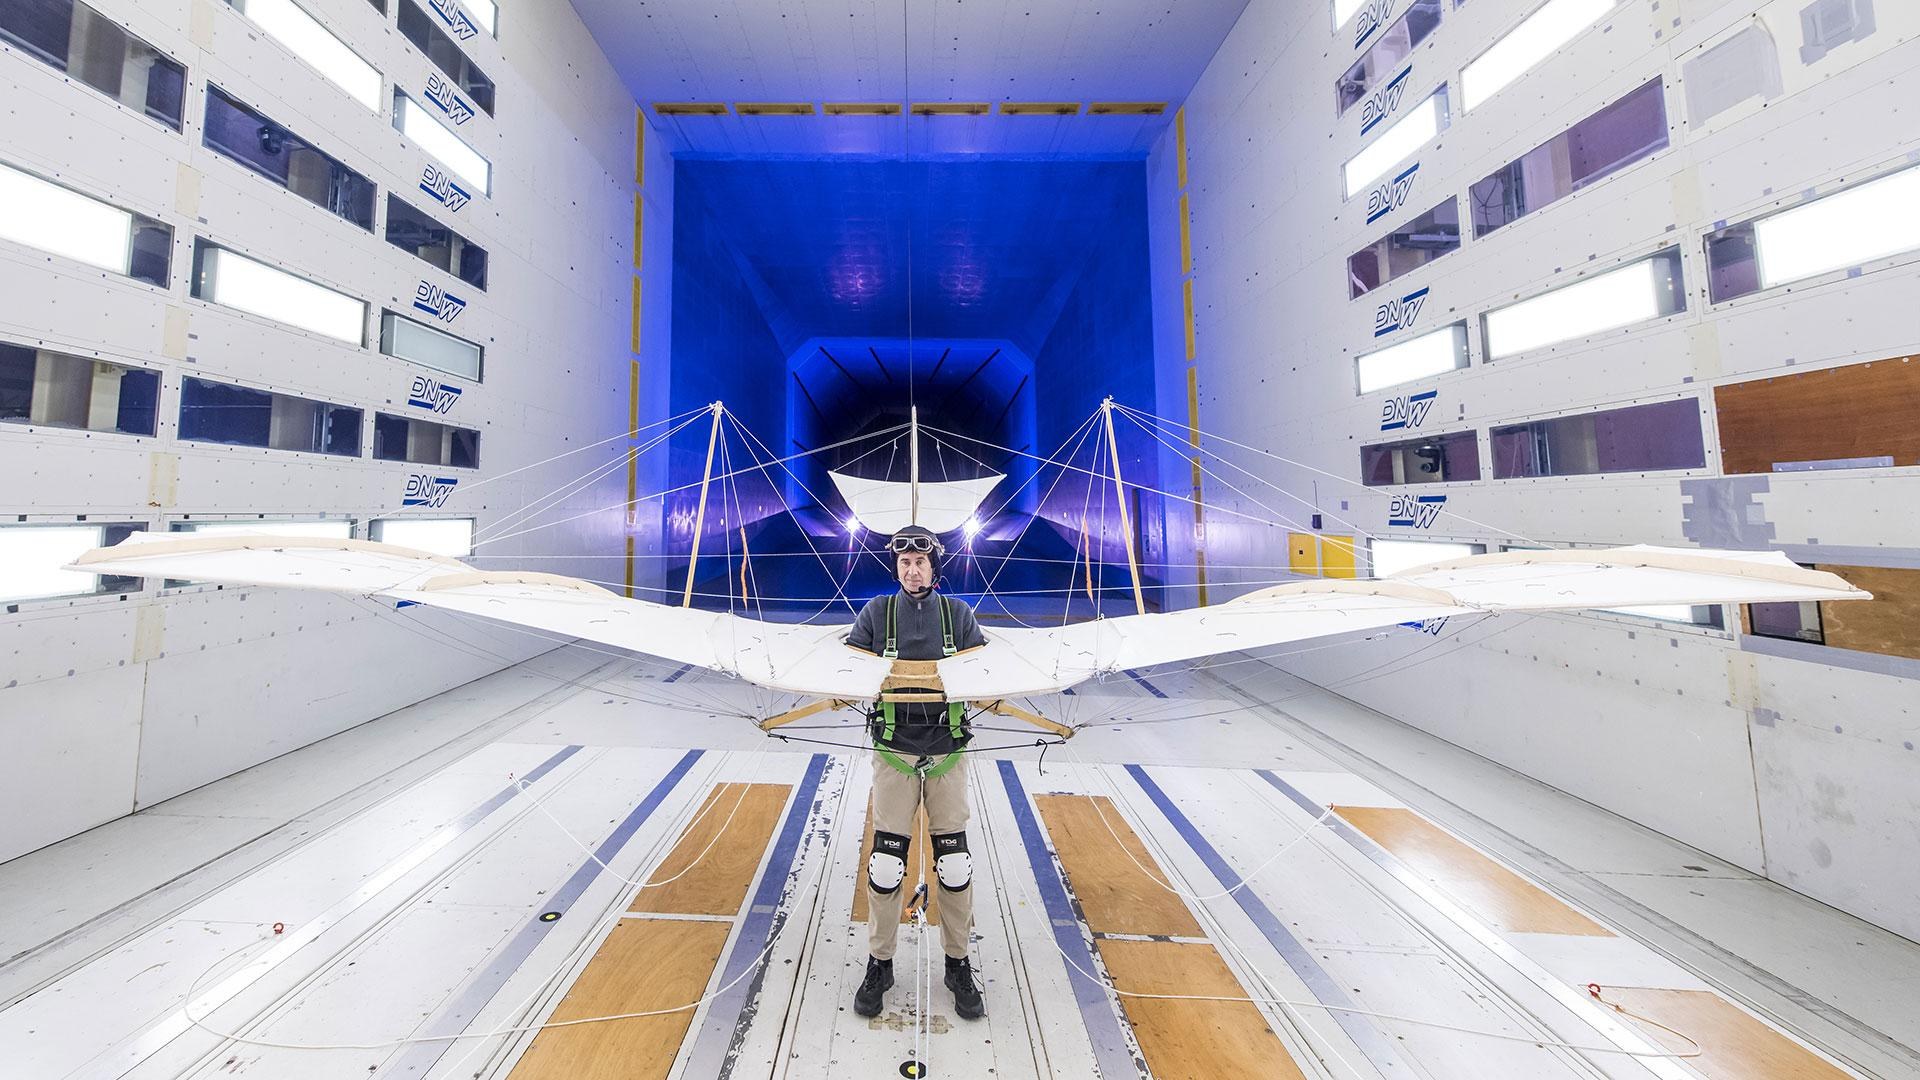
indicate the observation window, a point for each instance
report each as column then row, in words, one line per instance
column 1432, row 460
column 400, row 438
column 1405, row 249
column 1639, row 438
column 96, row 51
column 238, row 132
column 416, row 233
column 1629, row 130
column 57, row 390
column 240, row 416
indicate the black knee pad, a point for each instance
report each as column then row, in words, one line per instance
column 887, row 866
column 952, row 863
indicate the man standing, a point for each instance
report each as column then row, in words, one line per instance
column 917, row 760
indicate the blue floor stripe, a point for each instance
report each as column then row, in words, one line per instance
column 1096, row 1009
column 420, row 1058
column 678, row 672
column 1151, row 689
column 724, row 1030
column 1371, row 1041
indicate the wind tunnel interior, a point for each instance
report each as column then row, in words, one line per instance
column 822, row 300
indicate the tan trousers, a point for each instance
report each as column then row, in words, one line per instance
column 896, row 800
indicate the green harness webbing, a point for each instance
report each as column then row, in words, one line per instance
column 956, row 710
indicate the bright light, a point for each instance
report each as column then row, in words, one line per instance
column 52, row 218
column 306, row 38
column 1855, row 226
column 853, row 527
column 1398, row 143
column 1343, row 10
column 1392, row 556
column 239, row 282
column 971, row 527
column 1631, row 294
column 1680, row 613
column 437, row 139
column 484, row 14
column 328, row 530
column 452, row 537
column 31, row 557
column 1433, row 353
column 1556, row 23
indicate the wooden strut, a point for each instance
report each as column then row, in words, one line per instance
column 700, row 516
column 1126, row 519
column 915, row 681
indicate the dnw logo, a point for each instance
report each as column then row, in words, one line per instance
column 1415, row 511
column 1406, row 412
column 1372, row 18
column 1398, row 314
column 1384, row 101
column 433, row 395
column 1428, row 626
column 1391, row 195
column 436, row 182
column 431, row 491
column 440, row 92
column 456, row 20
column 438, row 302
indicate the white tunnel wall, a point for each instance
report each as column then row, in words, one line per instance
column 1803, row 769
column 112, row 703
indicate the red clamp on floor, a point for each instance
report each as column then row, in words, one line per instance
column 279, row 928
column 1593, row 990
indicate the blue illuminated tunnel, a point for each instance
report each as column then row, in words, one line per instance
column 820, row 298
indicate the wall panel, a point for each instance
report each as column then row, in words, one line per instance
column 1663, row 717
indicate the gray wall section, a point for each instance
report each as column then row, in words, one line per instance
column 109, row 704
column 1792, row 762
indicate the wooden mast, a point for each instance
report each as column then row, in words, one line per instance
column 700, row 516
column 913, row 461
column 1126, row 519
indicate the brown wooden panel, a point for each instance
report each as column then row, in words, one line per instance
column 1484, row 887
column 1205, row 1040
column 1116, row 896
column 718, row 884
column 644, row 964
column 1888, row 624
column 1737, row 1046
column 919, row 868
column 1842, row 412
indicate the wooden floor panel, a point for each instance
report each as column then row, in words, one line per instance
column 1205, row 1040
column 1115, row 894
column 1484, row 887
column 644, row 964
column 718, row 885
column 1737, row 1045
column 918, row 868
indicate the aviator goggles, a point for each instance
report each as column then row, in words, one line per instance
column 901, row 544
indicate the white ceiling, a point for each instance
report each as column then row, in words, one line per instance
column 910, row 50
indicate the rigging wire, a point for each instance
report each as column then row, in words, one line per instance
column 629, row 503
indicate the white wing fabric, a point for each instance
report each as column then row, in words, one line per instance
column 886, row 506
column 1018, row 662
column 813, row 659
column 800, row 659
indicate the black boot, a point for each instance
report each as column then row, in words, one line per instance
column 873, row 988
column 966, row 996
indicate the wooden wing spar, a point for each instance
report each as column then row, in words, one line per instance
column 813, row 659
